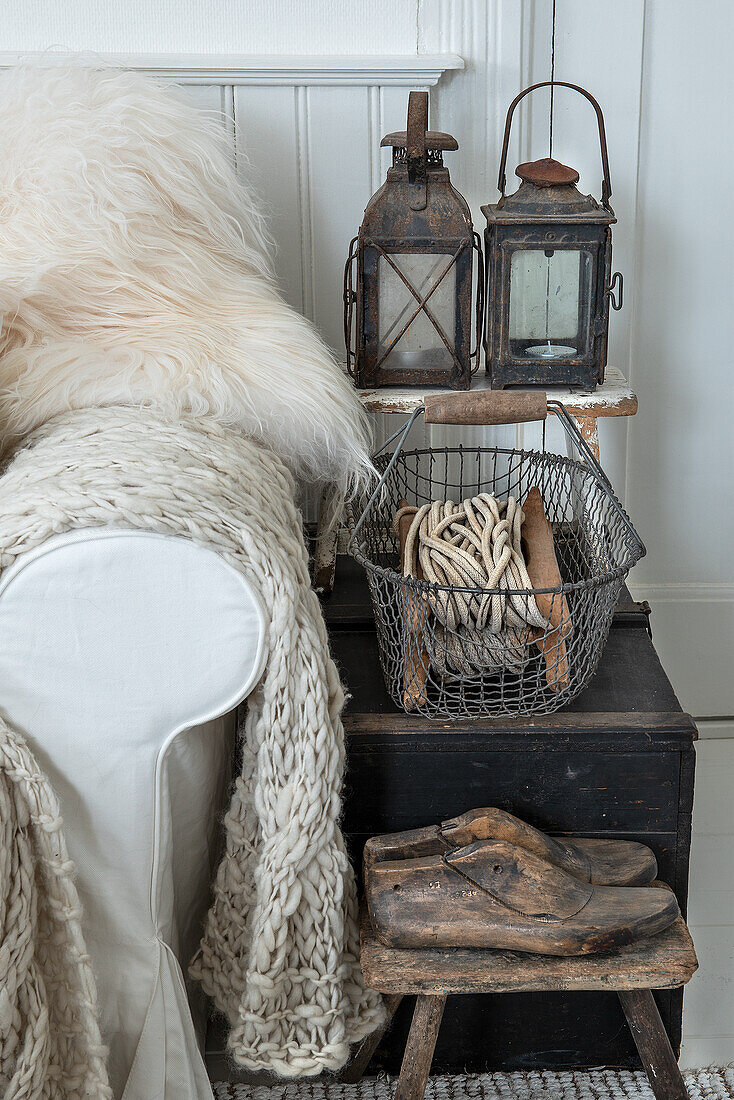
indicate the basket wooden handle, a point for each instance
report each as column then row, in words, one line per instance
column 486, row 407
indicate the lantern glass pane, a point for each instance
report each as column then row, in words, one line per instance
column 419, row 346
column 550, row 295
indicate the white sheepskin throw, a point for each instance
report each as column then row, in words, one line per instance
column 280, row 953
column 134, row 270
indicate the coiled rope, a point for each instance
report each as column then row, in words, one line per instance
column 487, row 615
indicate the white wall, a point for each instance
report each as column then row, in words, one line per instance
column 680, row 459
column 213, row 26
column 661, row 70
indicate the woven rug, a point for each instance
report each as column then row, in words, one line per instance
column 601, row 1084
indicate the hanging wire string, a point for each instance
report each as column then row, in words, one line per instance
column 550, row 155
column 552, row 77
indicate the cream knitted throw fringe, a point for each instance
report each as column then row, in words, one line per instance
column 50, row 1045
column 280, row 953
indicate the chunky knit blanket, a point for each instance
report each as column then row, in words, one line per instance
column 50, row 1045
column 280, row 954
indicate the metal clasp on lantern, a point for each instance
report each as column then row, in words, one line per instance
column 351, row 303
column 616, row 285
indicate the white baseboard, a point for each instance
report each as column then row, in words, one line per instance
column 700, row 1051
column 683, row 593
column 711, row 728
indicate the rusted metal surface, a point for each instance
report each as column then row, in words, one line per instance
column 546, row 172
column 416, row 212
column 415, row 150
column 548, row 214
column 434, row 140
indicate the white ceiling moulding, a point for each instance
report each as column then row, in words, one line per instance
column 424, row 70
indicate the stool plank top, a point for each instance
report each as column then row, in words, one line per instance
column 614, row 397
column 665, row 961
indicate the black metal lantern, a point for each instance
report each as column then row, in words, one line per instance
column 549, row 254
column 408, row 312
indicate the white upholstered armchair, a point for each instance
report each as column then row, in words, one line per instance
column 124, row 655
column 152, row 377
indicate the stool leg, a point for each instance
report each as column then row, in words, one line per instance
column 420, row 1046
column 354, row 1070
column 589, row 428
column 653, row 1045
column 327, row 544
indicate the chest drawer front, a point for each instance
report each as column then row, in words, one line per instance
column 390, row 787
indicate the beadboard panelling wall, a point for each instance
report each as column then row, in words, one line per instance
column 506, row 45
column 307, row 137
column 310, row 145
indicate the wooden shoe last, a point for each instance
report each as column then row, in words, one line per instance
column 494, row 894
column 602, row 862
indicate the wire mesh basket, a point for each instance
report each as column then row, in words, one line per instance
column 436, row 665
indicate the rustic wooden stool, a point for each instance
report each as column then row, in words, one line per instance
column 665, row 961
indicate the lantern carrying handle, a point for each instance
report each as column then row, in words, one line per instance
column 606, row 186
column 416, row 149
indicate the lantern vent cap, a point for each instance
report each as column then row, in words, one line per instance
column 434, row 140
column 547, row 173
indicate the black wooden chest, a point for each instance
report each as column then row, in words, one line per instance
column 619, row 762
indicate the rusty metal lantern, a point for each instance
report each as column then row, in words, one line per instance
column 548, row 251
column 408, row 305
